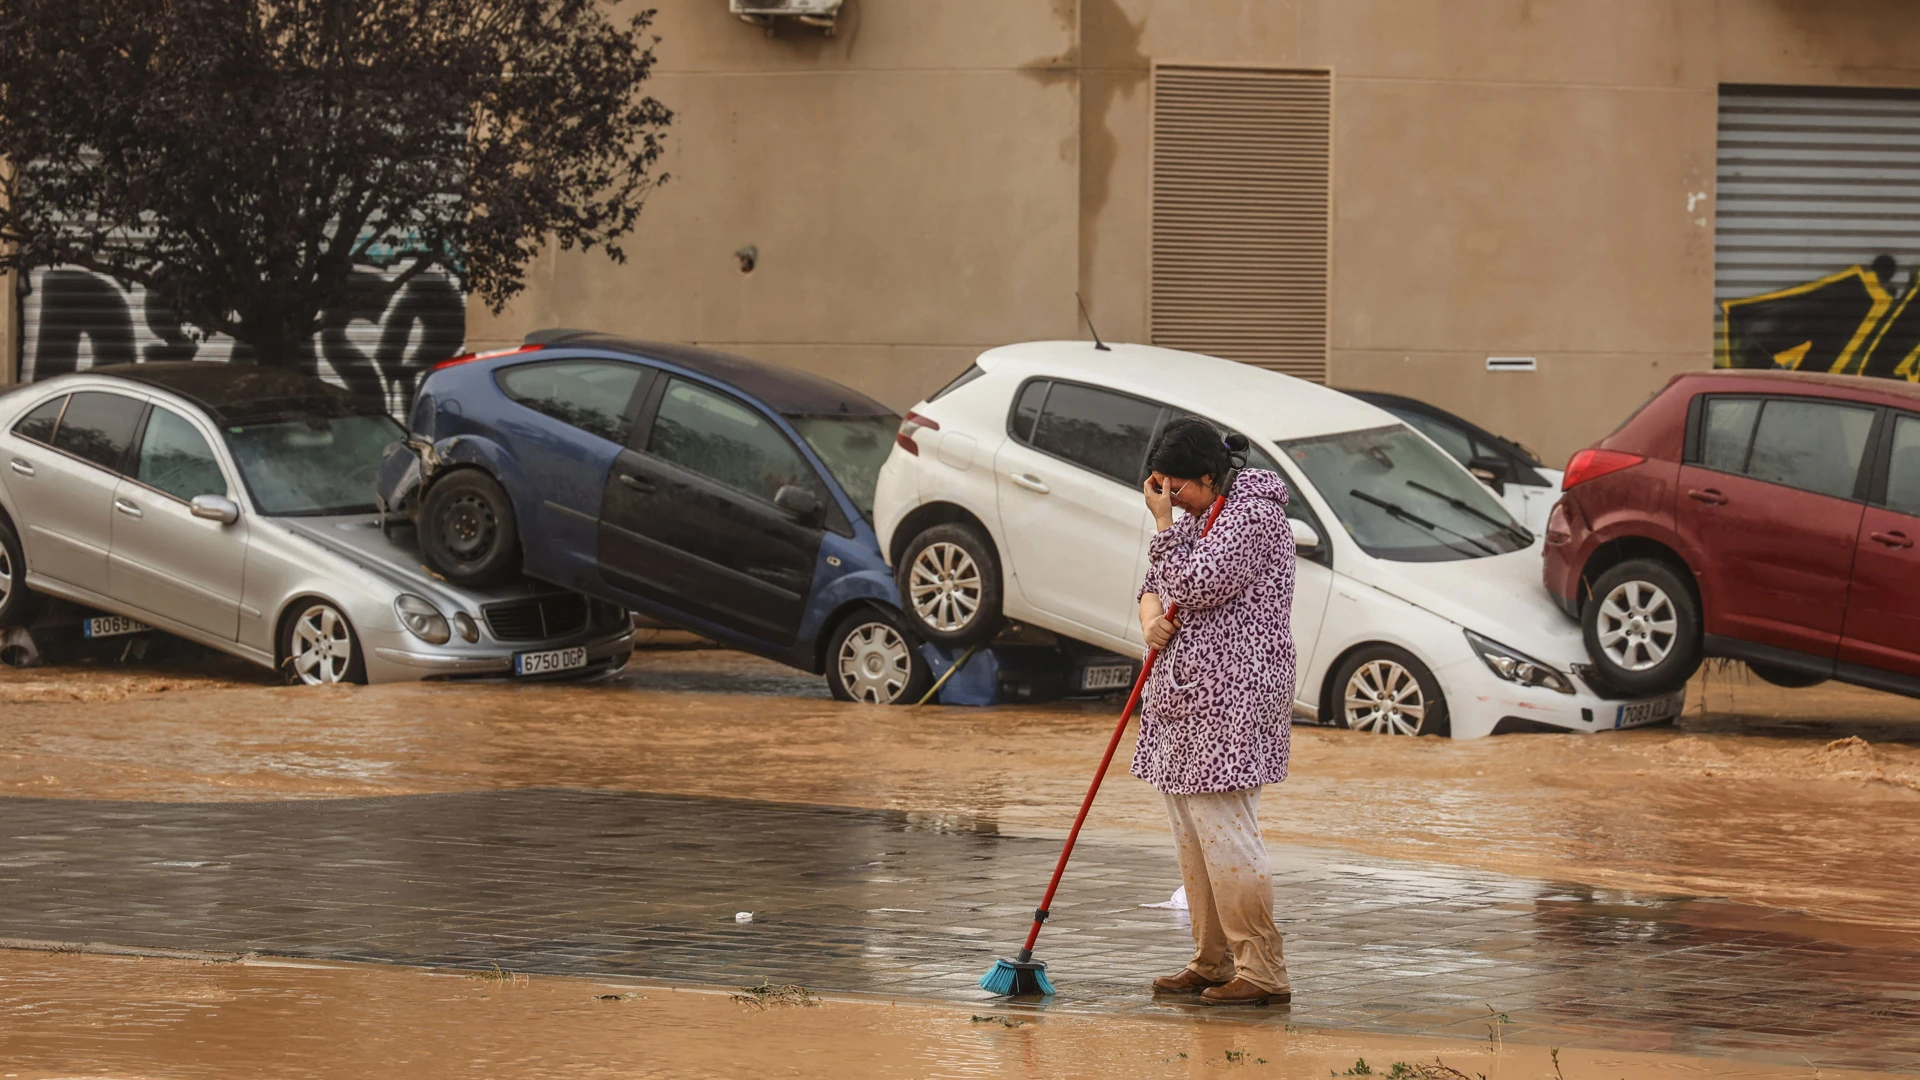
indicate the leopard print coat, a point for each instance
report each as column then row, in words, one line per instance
column 1217, row 711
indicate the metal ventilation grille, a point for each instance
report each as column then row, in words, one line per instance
column 1241, row 168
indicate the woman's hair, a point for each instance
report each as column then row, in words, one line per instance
column 1189, row 449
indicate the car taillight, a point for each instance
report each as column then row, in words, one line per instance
column 468, row 358
column 908, row 427
column 1594, row 464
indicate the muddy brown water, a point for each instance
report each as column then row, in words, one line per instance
column 1805, row 802
column 70, row 1015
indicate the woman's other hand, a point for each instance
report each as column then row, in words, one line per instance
column 1160, row 631
column 1159, row 501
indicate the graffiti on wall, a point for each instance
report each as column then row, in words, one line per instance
column 1848, row 323
column 72, row 320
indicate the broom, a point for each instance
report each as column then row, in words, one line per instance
column 1024, row 975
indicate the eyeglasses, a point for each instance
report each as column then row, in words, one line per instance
column 1181, row 488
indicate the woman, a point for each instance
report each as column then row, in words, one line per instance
column 1216, row 714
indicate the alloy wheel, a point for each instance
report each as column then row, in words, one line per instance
column 1637, row 625
column 322, row 646
column 945, row 586
column 468, row 526
column 876, row 663
column 6, row 575
column 1385, row 698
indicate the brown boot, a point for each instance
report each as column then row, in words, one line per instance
column 1186, row 981
column 1242, row 992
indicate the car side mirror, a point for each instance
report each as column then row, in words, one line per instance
column 1494, row 472
column 1306, row 538
column 804, row 505
column 215, row 508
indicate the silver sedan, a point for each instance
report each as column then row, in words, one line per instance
column 232, row 505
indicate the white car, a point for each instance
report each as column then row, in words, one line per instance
column 1418, row 608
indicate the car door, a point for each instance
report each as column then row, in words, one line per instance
column 1071, row 512
column 689, row 520
column 163, row 559
column 574, row 420
column 1767, row 500
column 1883, row 608
column 63, row 484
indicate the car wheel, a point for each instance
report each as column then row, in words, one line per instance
column 1786, row 678
column 949, row 583
column 318, row 647
column 1642, row 628
column 19, row 605
column 468, row 533
column 872, row 658
column 1386, row 690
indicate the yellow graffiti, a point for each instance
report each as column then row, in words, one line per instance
column 1835, row 334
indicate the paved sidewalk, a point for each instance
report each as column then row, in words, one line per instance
column 575, row 882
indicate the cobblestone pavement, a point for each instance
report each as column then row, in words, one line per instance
column 574, row 882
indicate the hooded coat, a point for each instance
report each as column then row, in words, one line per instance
column 1217, row 711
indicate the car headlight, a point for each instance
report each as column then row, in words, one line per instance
column 464, row 625
column 422, row 619
column 1518, row 667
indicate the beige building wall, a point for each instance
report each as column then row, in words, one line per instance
column 1511, row 178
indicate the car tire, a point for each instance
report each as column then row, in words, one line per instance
column 1642, row 628
column 949, row 581
column 1785, row 678
column 1386, row 690
column 319, row 648
column 19, row 605
column 467, row 529
column 873, row 658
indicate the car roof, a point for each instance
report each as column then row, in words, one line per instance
column 240, row 392
column 1763, row 380
column 783, row 389
column 1262, row 403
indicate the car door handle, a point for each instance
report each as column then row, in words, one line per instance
column 1030, row 482
column 637, row 484
column 22, row 466
column 1710, row 496
column 130, row 509
column 1893, row 539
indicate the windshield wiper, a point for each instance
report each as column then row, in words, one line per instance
column 1512, row 529
column 1405, row 514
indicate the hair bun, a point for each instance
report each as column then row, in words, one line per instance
column 1236, row 443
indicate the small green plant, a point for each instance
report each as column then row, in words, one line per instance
column 1554, row 1052
column 1360, row 1068
column 766, row 995
column 1003, row 1021
column 1496, row 1022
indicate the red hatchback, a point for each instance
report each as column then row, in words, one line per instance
column 1766, row 516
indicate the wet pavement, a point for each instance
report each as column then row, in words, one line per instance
column 576, row 882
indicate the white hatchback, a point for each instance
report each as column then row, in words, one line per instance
column 1014, row 492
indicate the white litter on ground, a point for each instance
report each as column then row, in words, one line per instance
column 1178, row 901
column 747, row 916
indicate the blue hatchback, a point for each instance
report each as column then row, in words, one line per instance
column 710, row 491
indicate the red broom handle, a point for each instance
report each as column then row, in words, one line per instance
column 1113, row 744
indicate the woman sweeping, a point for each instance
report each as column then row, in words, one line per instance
column 1216, row 715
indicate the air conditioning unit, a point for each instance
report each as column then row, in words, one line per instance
column 768, row 13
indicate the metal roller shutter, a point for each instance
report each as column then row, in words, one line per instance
column 1241, row 174
column 1817, row 230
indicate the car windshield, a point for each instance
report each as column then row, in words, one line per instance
column 1402, row 499
column 854, row 448
column 320, row 465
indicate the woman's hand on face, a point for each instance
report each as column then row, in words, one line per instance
column 1161, row 630
column 1159, row 499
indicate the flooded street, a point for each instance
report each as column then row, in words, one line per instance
column 98, row 1016
column 1806, row 803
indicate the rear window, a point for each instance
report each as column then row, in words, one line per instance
column 98, row 427
column 38, row 425
column 1098, row 430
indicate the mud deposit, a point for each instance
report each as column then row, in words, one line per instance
column 1804, row 802
column 110, row 1017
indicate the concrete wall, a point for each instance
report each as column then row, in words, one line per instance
column 1511, row 177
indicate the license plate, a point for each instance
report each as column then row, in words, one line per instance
column 1639, row 713
column 1108, row 677
column 545, row 663
column 112, row 626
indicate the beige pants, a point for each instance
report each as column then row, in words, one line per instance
column 1223, row 863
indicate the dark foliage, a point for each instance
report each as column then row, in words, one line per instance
column 240, row 158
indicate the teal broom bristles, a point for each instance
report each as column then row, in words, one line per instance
column 1017, row 978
